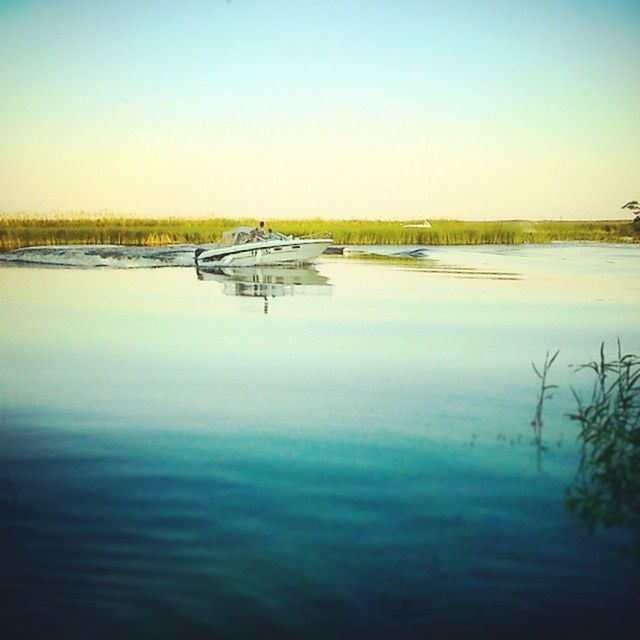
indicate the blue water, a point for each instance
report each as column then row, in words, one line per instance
column 343, row 453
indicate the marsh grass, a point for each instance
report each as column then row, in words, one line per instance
column 24, row 231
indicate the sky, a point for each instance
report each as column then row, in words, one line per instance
column 378, row 109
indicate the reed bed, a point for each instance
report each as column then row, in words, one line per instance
column 23, row 231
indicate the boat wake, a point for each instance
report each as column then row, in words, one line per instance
column 128, row 257
column 91, row 256
column 112, row 256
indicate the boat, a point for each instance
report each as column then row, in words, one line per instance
column 243, row 247
column 420, row 225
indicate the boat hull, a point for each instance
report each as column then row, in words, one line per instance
column 262, row 253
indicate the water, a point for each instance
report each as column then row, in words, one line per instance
column 341, row 451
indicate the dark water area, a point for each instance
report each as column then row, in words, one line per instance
column 343, row 451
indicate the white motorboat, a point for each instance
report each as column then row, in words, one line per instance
column 242, row 247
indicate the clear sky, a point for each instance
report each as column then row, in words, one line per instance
column 332, row 108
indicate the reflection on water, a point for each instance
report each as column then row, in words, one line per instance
column 267, row 281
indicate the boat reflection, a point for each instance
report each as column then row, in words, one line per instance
column 268, row 281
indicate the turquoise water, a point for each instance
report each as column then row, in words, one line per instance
column 336, row 452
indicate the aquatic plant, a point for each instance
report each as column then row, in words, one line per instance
column 606, row 490
column 545, row 394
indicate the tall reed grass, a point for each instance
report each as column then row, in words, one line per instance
column 18, row 231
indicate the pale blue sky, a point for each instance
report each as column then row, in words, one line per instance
column 278, row 108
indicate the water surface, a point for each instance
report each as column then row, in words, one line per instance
column 343, row 451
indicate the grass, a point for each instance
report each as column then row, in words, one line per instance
column 22, row 231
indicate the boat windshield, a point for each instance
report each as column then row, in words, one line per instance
column 242, row 235
column 239, row 235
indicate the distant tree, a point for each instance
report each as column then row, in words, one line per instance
column 634, row 207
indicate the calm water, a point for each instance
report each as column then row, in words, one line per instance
column 342, row 451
